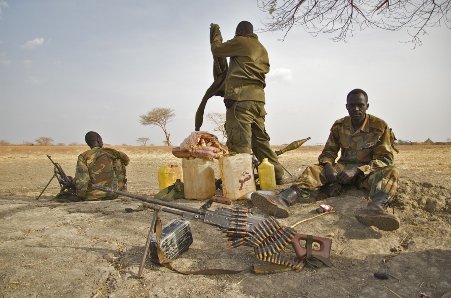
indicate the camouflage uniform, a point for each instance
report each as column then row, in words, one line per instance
column 244, row 91
column 368, row 148
column 100, row 166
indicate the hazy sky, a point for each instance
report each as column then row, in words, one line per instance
column 67, row 67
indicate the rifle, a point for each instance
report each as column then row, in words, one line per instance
column 66, row 182
column 264, row 234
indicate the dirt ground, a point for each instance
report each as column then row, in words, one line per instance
column 93, row 249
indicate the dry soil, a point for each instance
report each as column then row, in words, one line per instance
column 93, row 249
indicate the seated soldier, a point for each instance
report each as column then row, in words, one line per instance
column 366, row 160
column 102, row 166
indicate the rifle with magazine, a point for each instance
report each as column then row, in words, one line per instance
column 66, row 183
column 269, row 239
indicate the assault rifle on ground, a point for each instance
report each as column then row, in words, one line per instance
column 66, row 182
column 264, row 234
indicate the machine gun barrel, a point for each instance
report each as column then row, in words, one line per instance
column 151, row 200
column 218, row 218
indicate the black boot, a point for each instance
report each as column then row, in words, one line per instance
column 277, row 205
column 375, row 215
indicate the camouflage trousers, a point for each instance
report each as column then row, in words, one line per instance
column 381, row 180
column 246, row 133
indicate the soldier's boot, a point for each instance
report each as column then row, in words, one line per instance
column 375, row 215
column 277, row 205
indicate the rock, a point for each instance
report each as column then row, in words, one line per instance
column 434, row 205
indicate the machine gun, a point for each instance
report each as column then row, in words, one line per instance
column 269, row 239
column 66, row 183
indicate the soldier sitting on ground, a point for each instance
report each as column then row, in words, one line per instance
column 366, row 145
column 102, row 166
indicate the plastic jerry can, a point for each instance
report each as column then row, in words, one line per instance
column 168, row 174
column 237, row 175
column 266, row 175
column 198, row 178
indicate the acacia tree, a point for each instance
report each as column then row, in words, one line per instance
column 143, row 141
column 218, row 120
column 159, row 117
column 44, row 141
column 341, row 17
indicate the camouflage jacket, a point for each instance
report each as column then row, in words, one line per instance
column 249, row 64
column 368, row 148
column 100, row 166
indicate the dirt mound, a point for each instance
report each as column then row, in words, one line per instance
column 413, row 195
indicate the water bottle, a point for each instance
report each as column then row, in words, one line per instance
column 168, row 174
column 266, row 175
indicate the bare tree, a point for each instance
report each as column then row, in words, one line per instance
column 341, row 18
column 218, row 120
column 159, row 117
column 143, row 141
column 44, row 141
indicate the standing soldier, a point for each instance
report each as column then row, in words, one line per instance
column 366, row 160
column 244, row 95
column 102, row 166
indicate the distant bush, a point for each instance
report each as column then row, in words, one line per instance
column 44, row 141
column 402, row 142
column 4, row 143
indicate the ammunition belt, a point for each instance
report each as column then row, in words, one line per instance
column 268, row 238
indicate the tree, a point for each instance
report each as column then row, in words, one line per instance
column 4, row 143
column 159, row 117
column 143, row 141
column 44, row 141
column 342, row 17
column 218, row 120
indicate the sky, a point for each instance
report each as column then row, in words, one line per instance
column 68, row 67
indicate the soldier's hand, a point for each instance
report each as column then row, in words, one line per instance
column 330, row 173
column 345, row 177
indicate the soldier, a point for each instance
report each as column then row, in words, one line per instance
column 103, row 166
column 366, row 160
column 244, row 96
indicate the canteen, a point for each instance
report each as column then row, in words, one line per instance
column 199, row 178
column 237, row 175
column 266, row 175
column 168, row 174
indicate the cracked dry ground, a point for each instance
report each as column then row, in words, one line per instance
column 93, row 249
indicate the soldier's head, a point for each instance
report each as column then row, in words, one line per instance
column 357, row 104
column 244, row 28
column 93, row 139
